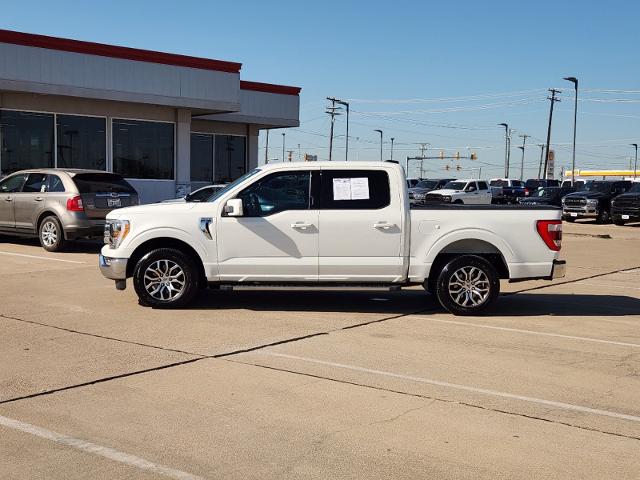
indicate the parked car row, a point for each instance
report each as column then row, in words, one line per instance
column 595, row 201
column 56, row 205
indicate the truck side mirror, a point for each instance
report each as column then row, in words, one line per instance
column 233, row 207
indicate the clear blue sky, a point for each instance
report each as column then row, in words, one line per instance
column 380, row 54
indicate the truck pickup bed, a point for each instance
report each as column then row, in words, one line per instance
column 329, row 223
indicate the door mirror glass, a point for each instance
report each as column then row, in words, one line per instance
column 233, row 207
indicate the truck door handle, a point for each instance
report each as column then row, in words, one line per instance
column 383, row 225
column 8, row 199
column 38, row 199
column 301, row 225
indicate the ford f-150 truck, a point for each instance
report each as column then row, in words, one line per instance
column 330, row 223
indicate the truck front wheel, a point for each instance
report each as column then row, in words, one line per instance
column 467, row 285
column 165, row 278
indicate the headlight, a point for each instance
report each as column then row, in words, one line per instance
column 115, row 231
column 446, row 198
column 419, row 196
column 592, row 202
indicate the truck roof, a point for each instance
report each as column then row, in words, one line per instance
column 355, row 165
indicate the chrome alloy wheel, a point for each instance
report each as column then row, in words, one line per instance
column 469, row 287
column 49, row 234
column 164, row 280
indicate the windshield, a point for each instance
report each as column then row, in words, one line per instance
column 224, row 190
column 101, row 183
column 532, row 184
column 427, row 184
column 602, row 187
column 546, row 192
column 454, row 186
column 635, row 188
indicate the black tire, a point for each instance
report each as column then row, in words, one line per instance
column 618, row 221
column 570, row 219
column 454, row 294
column 603, row 217
column 51, row 234
column 458, row 202
column 171, row 267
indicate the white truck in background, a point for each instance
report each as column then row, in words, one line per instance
column 329, row 223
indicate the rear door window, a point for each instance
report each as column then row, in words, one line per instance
column 354, row 190
column 54, row 184
column 482, row 185
column 102, row 183
column 36, row 182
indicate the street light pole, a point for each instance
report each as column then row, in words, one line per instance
column 524, row 137
column 553, row 100
column 506, row 148
column 380, row 132
column 574, row 80
column 283, row 134
column 635, row 165
column 266, row 149
column 392, row 139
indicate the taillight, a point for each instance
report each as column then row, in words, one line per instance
column 551, row 233
column 526, row 192
column 75, row 204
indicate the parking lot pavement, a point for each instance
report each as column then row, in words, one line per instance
column 321, row 384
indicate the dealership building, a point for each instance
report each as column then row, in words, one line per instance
column 169, row 123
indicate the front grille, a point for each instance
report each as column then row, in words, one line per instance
column 626, row 202
column 575, row 202
column 433, row 199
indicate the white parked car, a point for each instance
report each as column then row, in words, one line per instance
column 329, row 223
column 467, row 192
column 199, row 195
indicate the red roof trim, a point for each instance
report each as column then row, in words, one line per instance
column 269, row 88
column 103, row 50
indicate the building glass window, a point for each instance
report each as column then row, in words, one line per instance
column 230, row 158
column 82, row 142
column 26, row 140
column 201, row 157
column 143, row 149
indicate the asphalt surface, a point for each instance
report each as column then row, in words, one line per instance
column 321, row 384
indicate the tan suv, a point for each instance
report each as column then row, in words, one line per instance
column 61, row 204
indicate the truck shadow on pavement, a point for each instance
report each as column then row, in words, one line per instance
column 411, row 302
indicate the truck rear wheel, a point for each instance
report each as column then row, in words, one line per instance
column 467, row 285
column 165, row 278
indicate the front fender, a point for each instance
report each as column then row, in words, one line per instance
column 167, row 232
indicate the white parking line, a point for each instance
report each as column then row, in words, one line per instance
column 533, row 332
column 39, row 258
column 467, row 388
column 95, row 449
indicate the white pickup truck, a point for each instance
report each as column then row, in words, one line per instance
column 329, row 223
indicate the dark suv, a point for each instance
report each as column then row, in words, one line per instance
column 418, row 193
column 594, row 201
column 61, row 204
column 626, row 207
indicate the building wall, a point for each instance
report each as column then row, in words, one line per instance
column 151, row 190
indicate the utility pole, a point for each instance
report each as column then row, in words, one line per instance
column 266, row 150
column 524, row 137
column 635, row 165
column 333, row 101
column 423, row 149
column 392, row 139
column 290, row 155
column 299, row 153
column 574, row 80
column 541, row 145
column 332, row 111
column 553, row 100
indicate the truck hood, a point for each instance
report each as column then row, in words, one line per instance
column 589, row 195
column 445, row 192
column 152, row 208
